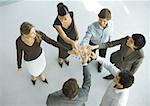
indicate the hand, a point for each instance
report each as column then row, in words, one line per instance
column 93, row 56
column 19, row 69
column 94, row 47
column 85, row 58
column 75, row 51
column 74, row 45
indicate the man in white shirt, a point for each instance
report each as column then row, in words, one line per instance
column 118, row 91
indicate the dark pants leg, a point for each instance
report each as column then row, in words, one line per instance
column 102, row 53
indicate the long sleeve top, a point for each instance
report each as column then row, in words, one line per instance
column 34, row 51
column 113, row 96
column 58, row 98
column 96, row 34
column 122, row 58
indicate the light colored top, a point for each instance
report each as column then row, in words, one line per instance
column 113, row 96
column 96, row 34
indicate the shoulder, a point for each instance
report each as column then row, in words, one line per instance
column 55, row 94
column 18, row 40
column 53, row 97
column 57, row 21
column 110, row 24
column 124, row 39
column 40, row 33
column 93, row 25
column 140, row 53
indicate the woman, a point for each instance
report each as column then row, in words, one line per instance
column 29, row 43
column 67, row 32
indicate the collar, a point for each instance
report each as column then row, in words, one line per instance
column 99, row 27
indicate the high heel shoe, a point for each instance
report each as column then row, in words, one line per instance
column 60, row 64
column 45, row 81
column 67, row 62
column 33, row 81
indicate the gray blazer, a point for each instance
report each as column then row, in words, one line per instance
column 58, row 99
column 122, row 59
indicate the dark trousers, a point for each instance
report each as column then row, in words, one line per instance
column 102, row 52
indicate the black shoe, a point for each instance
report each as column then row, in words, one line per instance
column 45, row 81
column 60, row 64
column 109, row 77
column 33, row 81
column 67, row 62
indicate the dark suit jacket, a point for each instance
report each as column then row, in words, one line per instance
column 58, row 99
column 122, row 59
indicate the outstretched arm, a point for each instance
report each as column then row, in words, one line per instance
column 106, row 63
column 112, row 43
column 64, row 36
column 86, row 79
column 87, row 37
column 86, row 75
column 51, row 41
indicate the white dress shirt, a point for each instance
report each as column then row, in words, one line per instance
column 113, row 96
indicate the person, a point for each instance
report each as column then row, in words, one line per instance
column 71, row 94
column 118, row 90
column 130, row 55
column 99, row 32
column 28, row 43
column 67, row 32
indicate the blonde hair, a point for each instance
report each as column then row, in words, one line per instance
column 38, row 37
column 26, row 27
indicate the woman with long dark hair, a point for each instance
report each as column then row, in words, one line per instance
column 67, row 32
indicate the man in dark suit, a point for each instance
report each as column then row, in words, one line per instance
column 71, row 94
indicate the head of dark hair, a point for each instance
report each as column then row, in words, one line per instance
column 70, row 88
column 105, row 13
column 139, row 40
column 62, row 9
column 126, row 79
column 25, row 28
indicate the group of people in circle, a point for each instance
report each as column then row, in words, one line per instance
column 122, row 65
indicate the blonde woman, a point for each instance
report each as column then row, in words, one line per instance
column 29, row 43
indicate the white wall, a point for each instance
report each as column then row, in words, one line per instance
column 42, row 15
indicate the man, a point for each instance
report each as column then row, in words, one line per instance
column 71, row 94
column 118, row 91
column 130, row 55
column 99, row 32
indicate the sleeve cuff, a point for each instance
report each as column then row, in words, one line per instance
column 85, row 64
